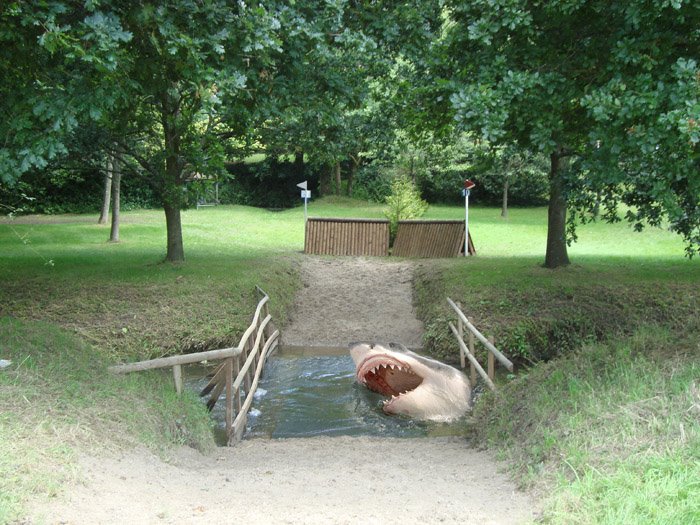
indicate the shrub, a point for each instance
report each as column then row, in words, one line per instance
column 403, row 203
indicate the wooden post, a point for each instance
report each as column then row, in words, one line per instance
column 472, row 370
column 177, row 374
column 491, row 367
column 473, row 360
column 236, row 371
column 248, row 380
column 229, row 395
column 507, row 363
column 265, row 313
column 460, row 330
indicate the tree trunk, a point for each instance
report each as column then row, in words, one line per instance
column 116, row 196
column 173, row 182
column 504, row 206
column 338, row 182
column 299, row 164
column 354, row 165
column 173, row 224
column 556, row 255
column 596, row 206
column 324, row 183
column 107, row 193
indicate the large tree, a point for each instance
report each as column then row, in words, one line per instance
column 164, row 83
column 608, row 87
column 333, row 79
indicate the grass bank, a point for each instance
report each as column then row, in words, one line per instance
column 72, row 303
column 124, row 300
column 603, row 417
column 57, row 399
column 608, row 434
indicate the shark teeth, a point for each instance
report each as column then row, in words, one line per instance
column 391, row 366
column 387, row 402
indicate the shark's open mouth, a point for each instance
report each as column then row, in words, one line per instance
column 416, row 386
column 387, row 376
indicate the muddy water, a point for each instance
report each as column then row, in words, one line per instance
column 311, row 395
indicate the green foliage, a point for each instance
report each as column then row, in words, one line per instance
column 624, row 104
column 343, row 63
column 526, row 174
column 490, row 168
column 73, row 192
column 372, row 183
column 268, row 183
column 404, row 203
column 163, row 86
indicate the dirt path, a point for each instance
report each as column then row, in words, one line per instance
column 319, row 480
column 354, row 299
column 309, row 481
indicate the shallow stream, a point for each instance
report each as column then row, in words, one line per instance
column 302, row 396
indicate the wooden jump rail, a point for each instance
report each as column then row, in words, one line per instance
column 239, row 382
column 467, row 351
column 370, row 237
column 331, row 236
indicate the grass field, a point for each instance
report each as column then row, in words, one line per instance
column 590, row 429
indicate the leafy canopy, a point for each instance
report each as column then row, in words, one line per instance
column 613, row 84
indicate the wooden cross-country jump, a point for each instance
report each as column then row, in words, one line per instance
column 370, row 237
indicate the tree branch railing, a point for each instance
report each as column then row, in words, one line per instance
column 239, row 381
column 467, row 350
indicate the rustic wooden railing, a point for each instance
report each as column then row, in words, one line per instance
column 466, row 350
column 239, row 382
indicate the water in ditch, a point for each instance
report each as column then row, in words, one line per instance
column 318, row 395
column 303, row 396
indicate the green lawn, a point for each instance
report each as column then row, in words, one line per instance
column 70, row 303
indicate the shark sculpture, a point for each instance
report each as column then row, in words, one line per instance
column 417, row 386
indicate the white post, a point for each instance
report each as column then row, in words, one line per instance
column 466, row 222
column 306, row 195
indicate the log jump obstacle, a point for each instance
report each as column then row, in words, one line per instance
column 466, row 350
column 370, row 237
column 239, row 381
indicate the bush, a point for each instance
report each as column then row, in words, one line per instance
column 404, row 203
column 61, row 191
column 528, row 177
